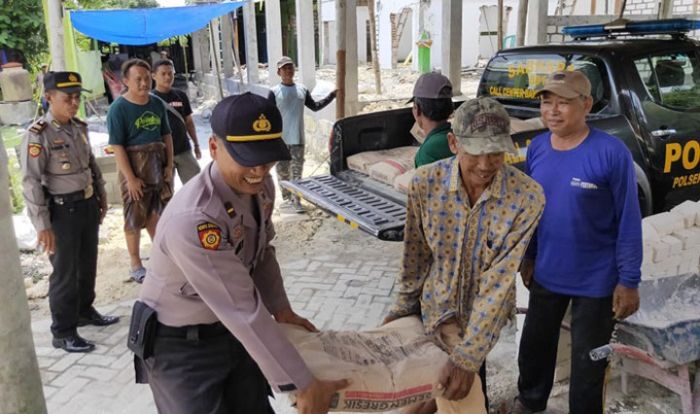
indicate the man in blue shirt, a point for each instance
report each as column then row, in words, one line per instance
column 587, row 250
column 291, row 98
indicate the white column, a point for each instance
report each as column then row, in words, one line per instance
column 321, row 32
column 227, row 44
column 537, row 22
column 58, row 57
column 306, row 49
column 452, row 44
column 251, row 42
column 351, row 101
column 215, row 45
column 273, row 25
column 205, row 50
column 21, row 390
column 197, row 51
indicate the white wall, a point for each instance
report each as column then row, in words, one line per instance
column 328, row 15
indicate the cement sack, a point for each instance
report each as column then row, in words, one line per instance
column 403, row 181
column 386, row 171
column 390, row 367
column 363, row 161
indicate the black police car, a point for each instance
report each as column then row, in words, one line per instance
column 645, row 80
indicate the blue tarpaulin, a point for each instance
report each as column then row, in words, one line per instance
column 145, row 26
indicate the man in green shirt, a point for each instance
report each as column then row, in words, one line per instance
column 432, row 105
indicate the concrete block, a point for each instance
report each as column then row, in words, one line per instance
column 688, row 266
column 648, row 254
column 665, row 223
column 675, row 243
column 661, row 251
column 690, row 237
column 669, row 267
column 689, row 210
column 649, row 233
column 17, row 113
column 108, row 166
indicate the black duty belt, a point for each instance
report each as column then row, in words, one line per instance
column 73, row 197
column 192, row 332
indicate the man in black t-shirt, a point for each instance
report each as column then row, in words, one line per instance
column 185, row 163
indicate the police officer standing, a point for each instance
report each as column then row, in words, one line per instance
column 66, row 202
column 215, row 283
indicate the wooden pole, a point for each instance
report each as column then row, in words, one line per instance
column 340, row 30
column 21, row 391
column 500, row 25
column 373, row 46
column 217, row 72
column 522, row 22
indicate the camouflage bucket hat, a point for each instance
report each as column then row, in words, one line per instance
column 482, row 126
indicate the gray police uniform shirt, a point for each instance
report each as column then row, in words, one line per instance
column 211, row 261
column 59, row 159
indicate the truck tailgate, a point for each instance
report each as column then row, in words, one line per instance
column 352, row 204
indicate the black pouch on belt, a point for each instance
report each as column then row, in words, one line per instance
column 142, row 330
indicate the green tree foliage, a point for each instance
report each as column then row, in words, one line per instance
column 22, row 28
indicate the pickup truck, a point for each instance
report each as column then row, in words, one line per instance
column 646, row 92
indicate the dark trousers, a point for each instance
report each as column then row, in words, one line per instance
column 292, row 169
column 482, row 376
column 591, row 327
column 213, row 375
column 72, row 283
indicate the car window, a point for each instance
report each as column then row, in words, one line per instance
column 672, row 79
column 516, row 79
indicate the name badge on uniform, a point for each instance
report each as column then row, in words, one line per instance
column 209, row 235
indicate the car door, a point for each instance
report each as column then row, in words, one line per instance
column 668, row 91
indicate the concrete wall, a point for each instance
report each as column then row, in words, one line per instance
column 329, row 45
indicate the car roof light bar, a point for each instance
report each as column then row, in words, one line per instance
column 623, row 27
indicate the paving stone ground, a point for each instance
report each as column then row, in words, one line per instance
column 349, row 286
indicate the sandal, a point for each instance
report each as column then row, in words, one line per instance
column 138, row 274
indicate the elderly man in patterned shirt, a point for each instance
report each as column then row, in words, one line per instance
column 469, row 220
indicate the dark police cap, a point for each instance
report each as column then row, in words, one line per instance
column 252, row 128
column 68, row 82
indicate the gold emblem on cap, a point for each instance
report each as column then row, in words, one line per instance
column 72, row 78
column 262, row 124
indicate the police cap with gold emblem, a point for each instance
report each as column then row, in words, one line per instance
column 68, row 82
column 252, row 128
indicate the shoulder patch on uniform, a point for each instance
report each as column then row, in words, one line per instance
column 209, row 235
column 34, row 149
column 37, row 127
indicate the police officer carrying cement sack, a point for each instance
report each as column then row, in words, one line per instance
column 66, row 202
column 215, row 283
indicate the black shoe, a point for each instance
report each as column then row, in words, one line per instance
column 93, row 317
column 73, row 343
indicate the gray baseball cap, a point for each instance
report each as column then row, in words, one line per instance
column 284, row 60
column 432, row 85
column 482, row 126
